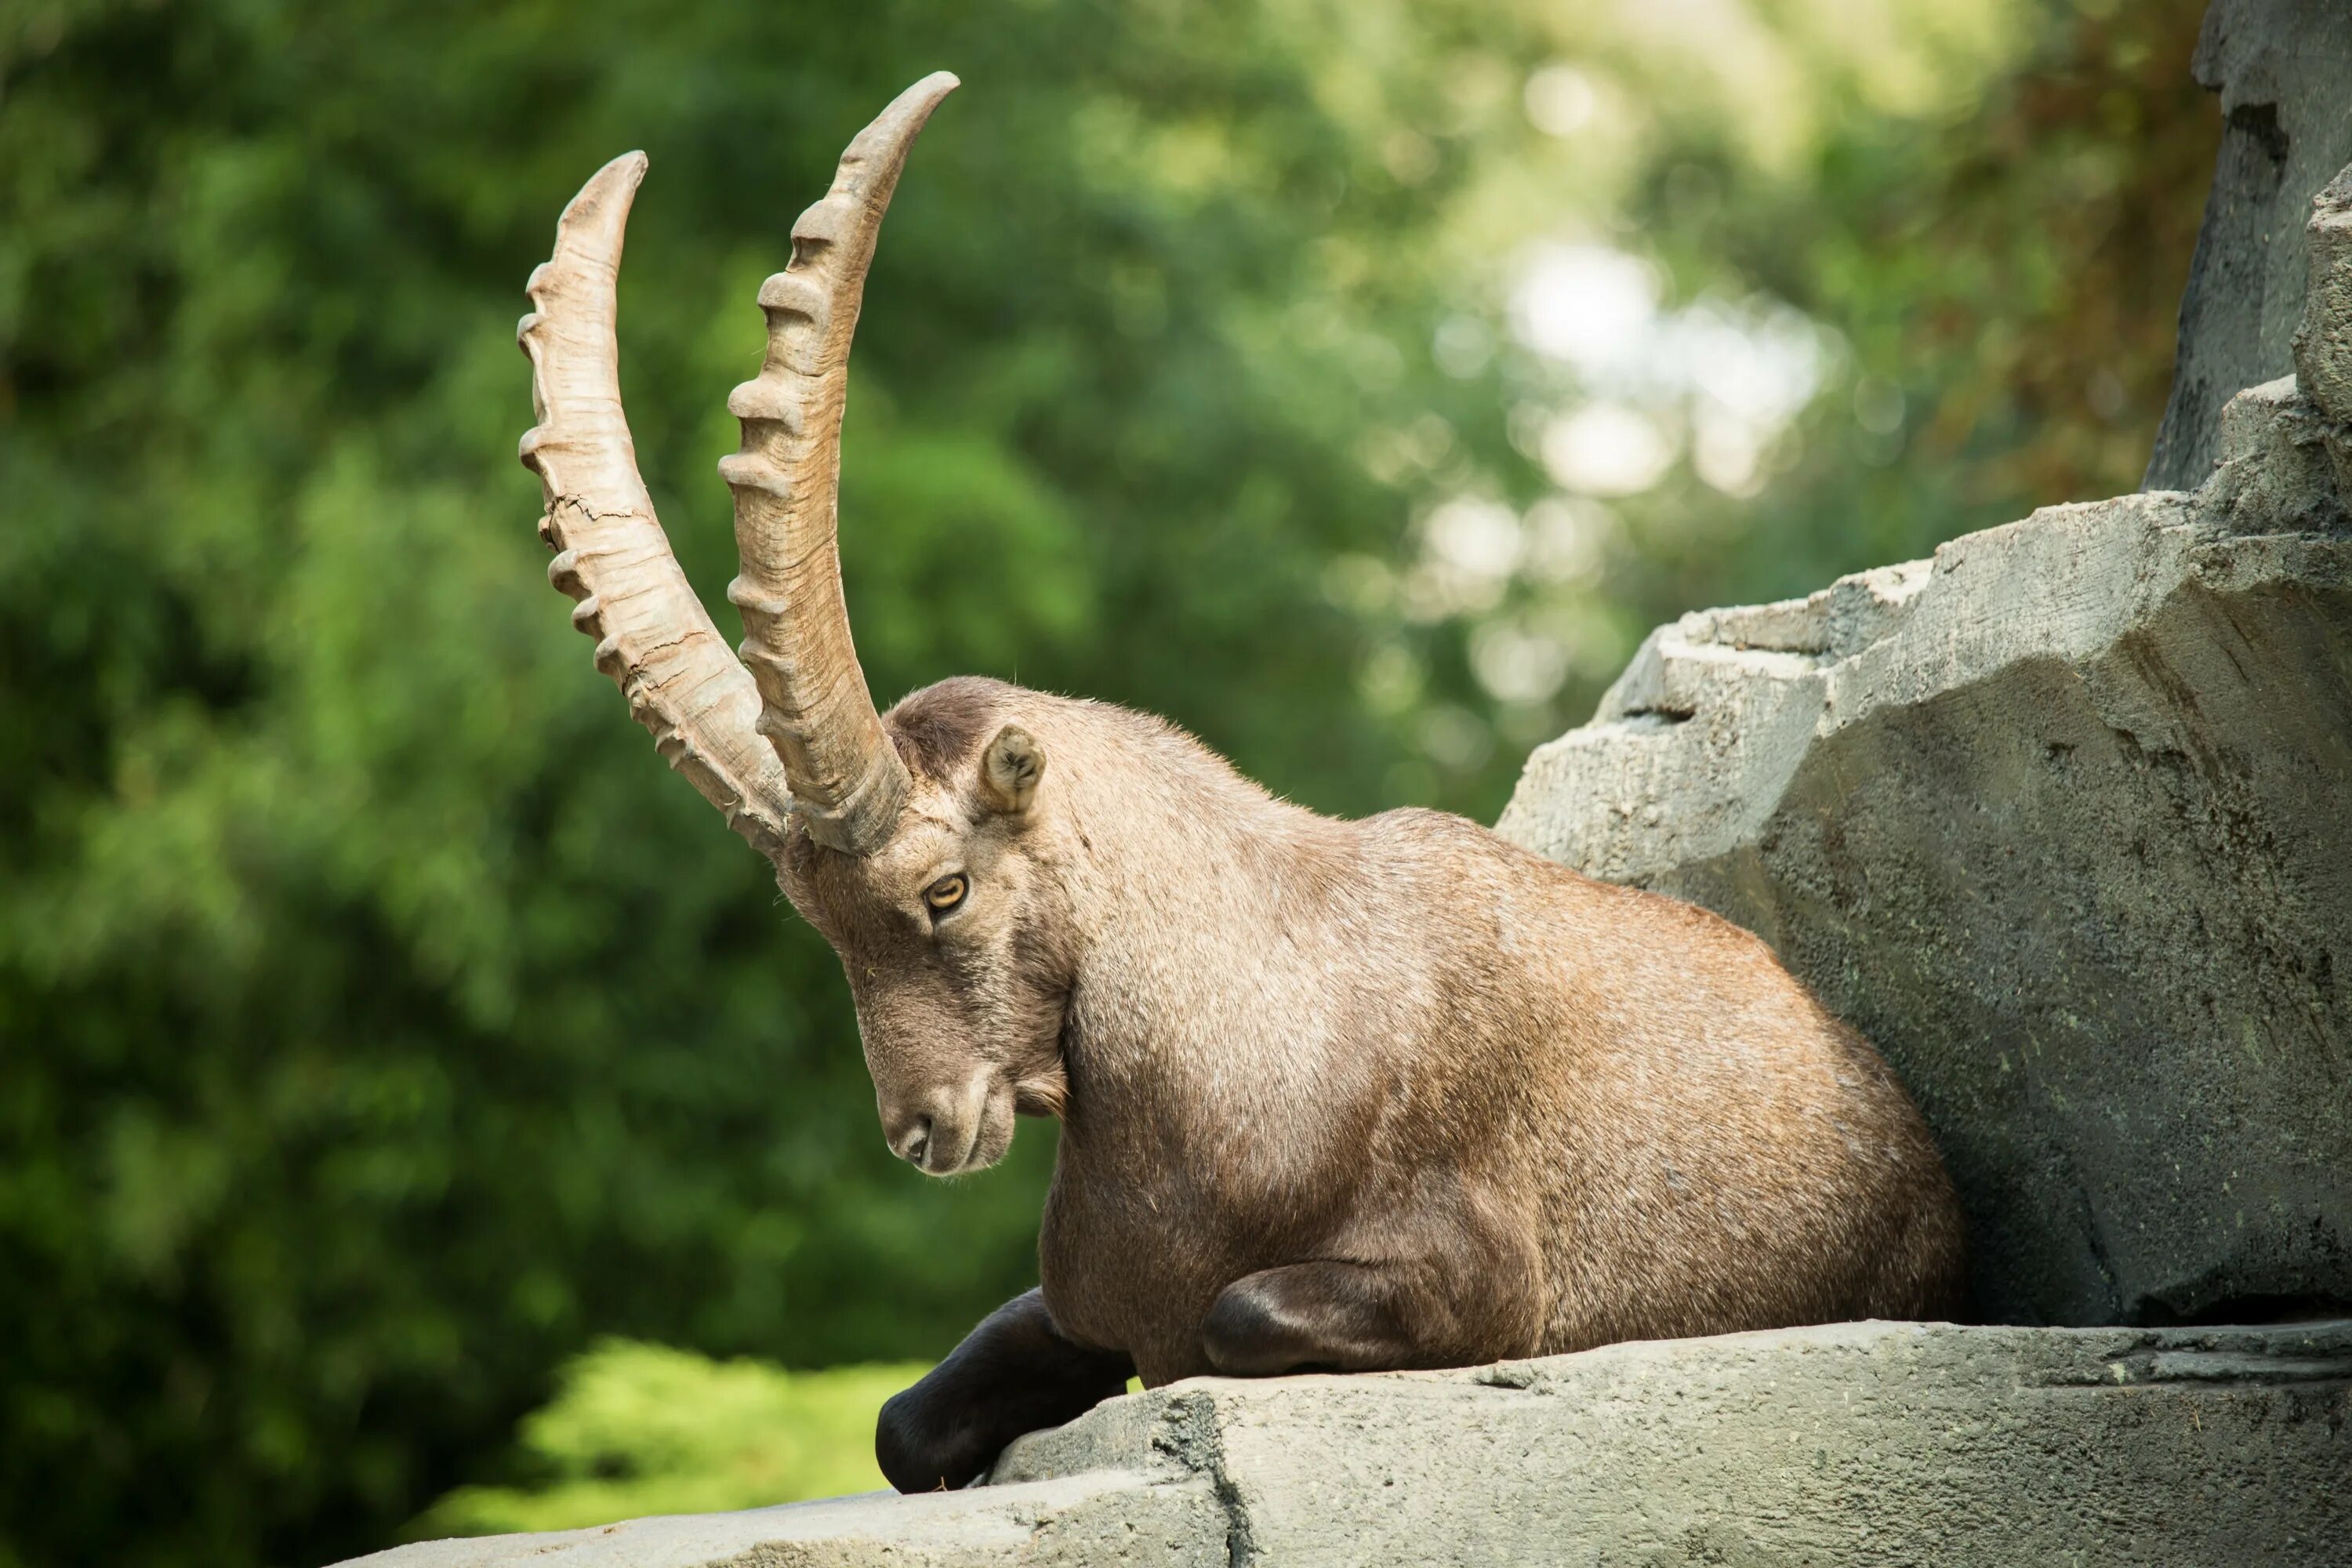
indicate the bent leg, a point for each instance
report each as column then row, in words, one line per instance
column 1016, row 1373
column 1332, row 1315
column 1321, row 1316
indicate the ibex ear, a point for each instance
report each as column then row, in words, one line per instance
column 1010, row 769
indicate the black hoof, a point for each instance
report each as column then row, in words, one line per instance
column 916, row 1456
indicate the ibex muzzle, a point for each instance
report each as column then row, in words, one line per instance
column 1344, row 1095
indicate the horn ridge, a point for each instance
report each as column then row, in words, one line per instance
column 652, row 634
column 848, row 781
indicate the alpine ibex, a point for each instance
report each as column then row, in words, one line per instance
column 1349, row 1095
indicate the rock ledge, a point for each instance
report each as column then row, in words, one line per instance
column 1848, row 1444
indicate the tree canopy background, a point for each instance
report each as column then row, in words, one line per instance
column 1352, row 381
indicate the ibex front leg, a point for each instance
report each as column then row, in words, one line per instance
column 1331, row 1316
column 1016, row 1373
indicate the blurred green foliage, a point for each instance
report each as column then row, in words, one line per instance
column 637, row 1429
column 380, row 1027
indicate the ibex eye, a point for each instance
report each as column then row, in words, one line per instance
column 946, row 893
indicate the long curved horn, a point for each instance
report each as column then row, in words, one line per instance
column 846, row 779
column 653, row 634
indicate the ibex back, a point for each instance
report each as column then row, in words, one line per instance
column 1347, row 1095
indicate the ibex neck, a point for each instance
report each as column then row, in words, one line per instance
column 1217, row 963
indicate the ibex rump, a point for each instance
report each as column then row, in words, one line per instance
column 1350, row 1095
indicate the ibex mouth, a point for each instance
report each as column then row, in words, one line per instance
column 976, row 1156
column 966, row 1139
column 944, row 1158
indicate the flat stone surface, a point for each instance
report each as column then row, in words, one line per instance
column 1104, row 1516
column 1848, row 1444
column 1851, row 1442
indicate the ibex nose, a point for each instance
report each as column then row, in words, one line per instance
column 936, row 1129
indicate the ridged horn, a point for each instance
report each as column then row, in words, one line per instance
column 652, row 635
column 847, row 780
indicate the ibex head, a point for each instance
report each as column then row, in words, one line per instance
column 954, row 936
column 917, row 874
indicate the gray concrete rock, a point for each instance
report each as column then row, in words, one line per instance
column 1853, row 1444
column 2283, row 71
column 1100, row 1516
column 2323, row 344
column 2061, row 819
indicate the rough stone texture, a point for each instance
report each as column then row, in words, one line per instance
column 2322, row 343
column 1104, row 1516
column 2063, row 820
column 2283, row 70
column 1852, row 1444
